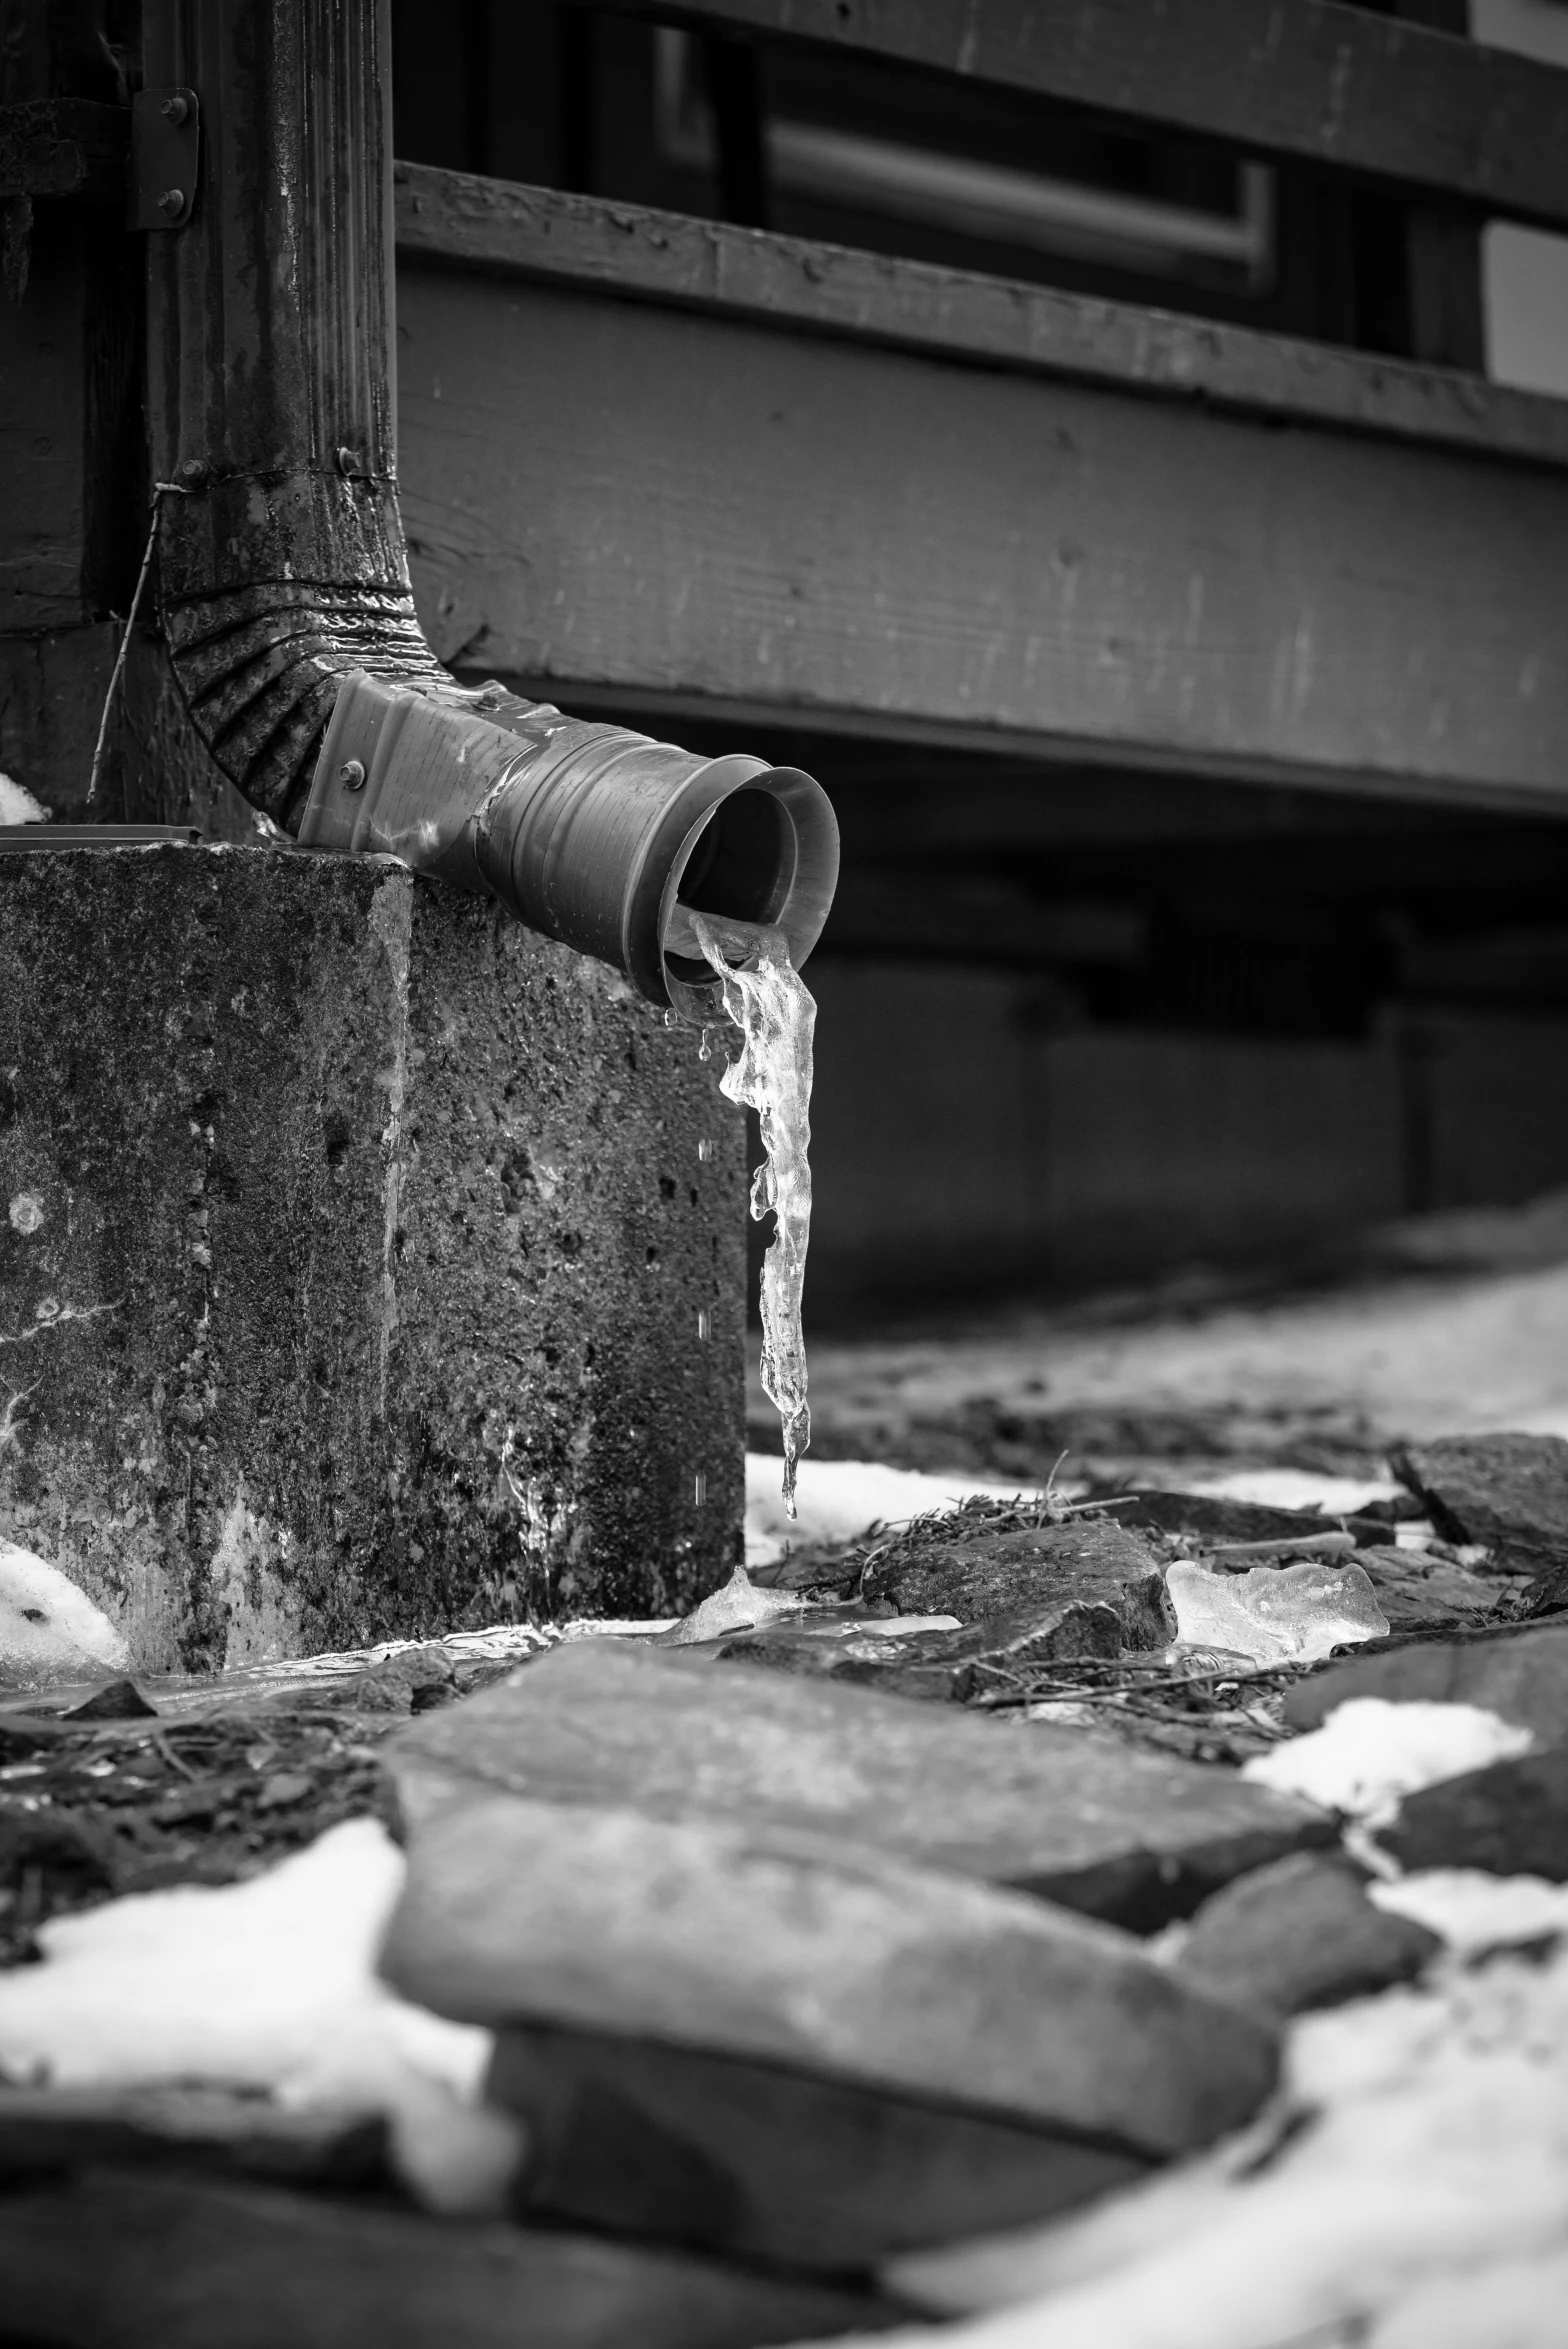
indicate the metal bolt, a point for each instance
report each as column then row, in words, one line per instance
column 175, row 109
column 352, row 774
column 172, row 202
column 194, row 470
column 349, row 462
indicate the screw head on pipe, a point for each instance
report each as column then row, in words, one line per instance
column 175, row 109
column 172, row 202
column 352, row 774
column 194, row 471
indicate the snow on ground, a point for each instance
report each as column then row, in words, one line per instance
column 18, row 806
column 1476, row 1913
column 1415, row 1357
column 1409, row 2191
column 268, row 1985
column 49, row 1630
column 839, row 1499
column 1295, row 1488
column 1369, row 1754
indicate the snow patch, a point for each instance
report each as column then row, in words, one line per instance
column 1296, row 1488
column 1370, row 1753
column 268, row 1985
column 18, row 806
column 49, row 1630
column 839, row 1499
column 1422, row 2171
column 1476, row 1913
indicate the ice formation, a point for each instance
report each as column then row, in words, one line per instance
column 775, row 1014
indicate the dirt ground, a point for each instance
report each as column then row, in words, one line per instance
column 1198, row 1375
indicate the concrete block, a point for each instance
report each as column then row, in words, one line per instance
column 352, row 1246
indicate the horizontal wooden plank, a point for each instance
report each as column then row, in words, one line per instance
column 1315, row 79
column 614, row 495
column 450, row 217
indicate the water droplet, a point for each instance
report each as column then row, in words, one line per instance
column 704, row 1322
column 699, row 1485
column 669, row 1019
column 705, row 1150
column 704, row 1049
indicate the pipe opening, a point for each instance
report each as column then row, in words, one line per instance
column 742, row 866
column 766, row 854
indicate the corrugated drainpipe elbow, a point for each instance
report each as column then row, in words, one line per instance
column 284, row 589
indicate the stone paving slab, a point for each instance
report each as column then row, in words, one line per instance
column 130, row 2261
column 1301, row 1934
column 1073, row 1816
column 1520, row 1675
column 733, row 1939
column 1211, row 1518
column 944, row 1667
column 762, row 2162
column 47, row 2132
column 1510, row 1819
column 1508, row 1492
column 1042, row 1566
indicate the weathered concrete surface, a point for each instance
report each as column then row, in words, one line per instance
column 352, row 1244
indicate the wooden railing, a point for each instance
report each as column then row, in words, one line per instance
column 1314, row 79
column 681, row 466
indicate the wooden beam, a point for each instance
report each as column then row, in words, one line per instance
column 664, row 501
column 1329, row 83
column 627, row 251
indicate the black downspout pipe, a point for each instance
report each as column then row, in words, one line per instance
column 271, row 394
column 282, row 566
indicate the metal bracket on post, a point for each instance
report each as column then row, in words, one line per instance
column 165, row 157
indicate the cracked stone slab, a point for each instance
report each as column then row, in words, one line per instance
column 1091, row 1560
column 1073, row 1816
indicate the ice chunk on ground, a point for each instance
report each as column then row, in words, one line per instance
column 49, row 1630
column 1275, row 1614
column 1370, row 1753
column 739, row 1606
column 838, row 1499
column 267, row 1985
